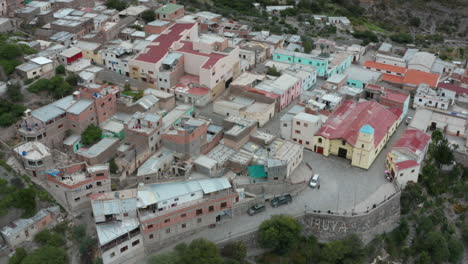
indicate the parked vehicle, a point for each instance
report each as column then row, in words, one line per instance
column 280, row 200
column 314, row 181
column 256, row 209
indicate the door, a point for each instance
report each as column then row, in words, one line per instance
column 319, row 150
column 433, row 126
column 342, row 152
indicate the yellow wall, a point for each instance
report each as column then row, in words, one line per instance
column 360, row 157
column 96, row 57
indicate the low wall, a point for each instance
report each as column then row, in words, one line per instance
column 327, row 227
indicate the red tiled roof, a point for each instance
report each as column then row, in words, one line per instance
column 384, row 67
column 159, row 47
column 453, row 87
column 213, row 58
column 392, row 78
column 416, row 77
column 351, row 116
column 412, row 139
column 403, row 165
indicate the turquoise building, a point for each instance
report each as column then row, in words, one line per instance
column 326, row 66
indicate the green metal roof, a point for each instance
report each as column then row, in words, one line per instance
column 257, row 171
column 169, row 8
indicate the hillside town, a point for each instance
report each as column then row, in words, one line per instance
column 153, row 124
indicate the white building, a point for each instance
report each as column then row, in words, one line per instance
column 422, row 61
column 438, row 98
column 115, row 59
column 304, row 127
column 286, row 121
column 406, row 156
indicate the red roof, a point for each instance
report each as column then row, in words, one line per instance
column 414, row 140
column 453, row 87
column 213, row 58
column 389, row 94
column 346, row 121
column 384, row 67
column 416, row 77
column 392, row 78
column 159, row 47
column 403, row 165
column 262, row 92
column 198, row 91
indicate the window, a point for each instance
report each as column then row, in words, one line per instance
column 401, row 174
column 150, row 226
column 285, row 125
column 307, row 142
column 343, row 142
column 167, row 220
column 199, row 220
column 60, row 126
column 77, row 199
column 125, row 214
column 192, row 194
column 297, row 131
column 211, row 208
column 306, row 125
column 223, row 205
column 136, row 242
column 412, row 170
column 123, row 249
column 168, row 231
column 298, row 123
column 151, row 236
column 320, row 140
column 362, row 145
column 199, row 211
column 176, row 199
column 183, row 215
column 420, row 100
column 184, row 225
column 295, row 139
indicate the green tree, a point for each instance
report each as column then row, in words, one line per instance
column 113, row 168
column 435, row 244
column 60, row 69
column 20, row 254
column 456, row 250
column 148, row 15
column 165, row 258
column 280, row 233
column 47, row 255
column 273, row 71
column 91, row 135
column 235, row 250
column 14, row 92
column 441, row 152
column 10, row 51
column 415, row 21
column 437, row 136
column 424, row 258
column 411, row 196
column 25, row 199
column 116, row 4
column 6, row 119
column 403, row 38
column 201, row 251
column 308, row 44
column 48, row 238
column 72, row 79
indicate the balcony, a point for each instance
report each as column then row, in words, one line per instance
column 30, row 128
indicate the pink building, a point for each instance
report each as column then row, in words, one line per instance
column 287, row 87
column 181, row 51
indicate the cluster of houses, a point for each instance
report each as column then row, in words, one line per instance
column 183, row 171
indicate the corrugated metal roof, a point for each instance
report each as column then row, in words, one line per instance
column 108, row 232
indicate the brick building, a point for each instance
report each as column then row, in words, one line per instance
column 130, row 221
